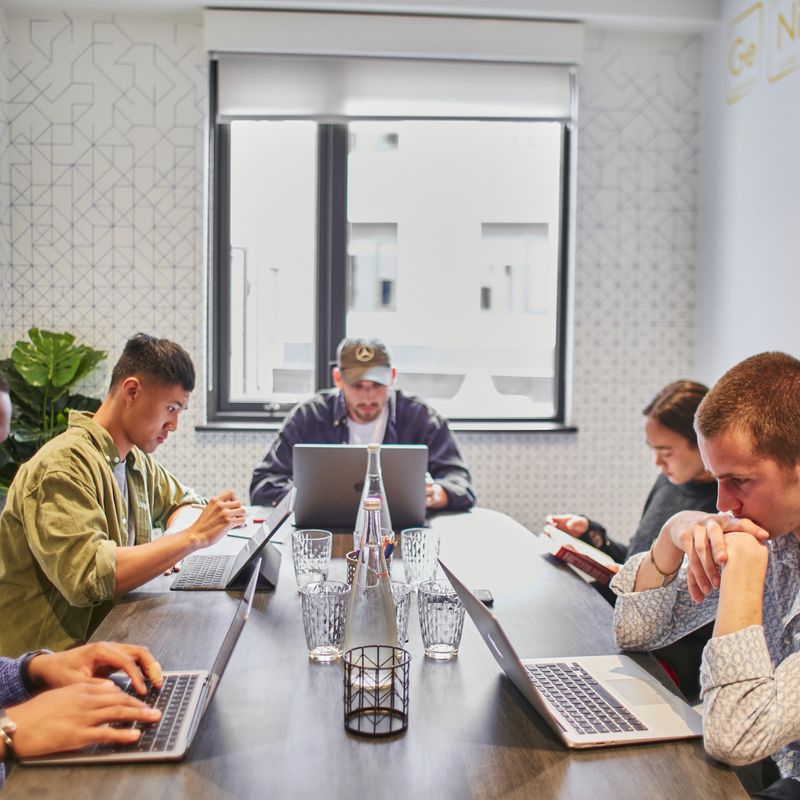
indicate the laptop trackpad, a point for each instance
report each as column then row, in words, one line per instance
column 635, row 692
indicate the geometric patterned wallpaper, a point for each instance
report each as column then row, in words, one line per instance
column 5, row 185
column 102, row 234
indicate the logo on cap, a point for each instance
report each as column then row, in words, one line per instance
column 364, row 353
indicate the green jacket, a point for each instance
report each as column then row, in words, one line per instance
column 63, row 521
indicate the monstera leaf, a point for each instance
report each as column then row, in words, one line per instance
column 40, row 374
column 53, row 360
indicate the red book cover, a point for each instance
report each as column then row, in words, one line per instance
column 600, row 572
column 586, row 558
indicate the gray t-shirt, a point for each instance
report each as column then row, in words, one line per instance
column 121, row 477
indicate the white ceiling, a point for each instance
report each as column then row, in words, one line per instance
column 679, row 14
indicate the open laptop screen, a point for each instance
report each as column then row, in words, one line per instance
column 232, row 636
column 264, row 533
column 330, row 477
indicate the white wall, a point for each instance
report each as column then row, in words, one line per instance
column 106, row 167
column 748, row 275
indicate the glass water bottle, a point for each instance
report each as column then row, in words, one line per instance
column 370, row 609
column 373, row 487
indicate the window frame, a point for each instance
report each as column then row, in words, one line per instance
column 331, row 276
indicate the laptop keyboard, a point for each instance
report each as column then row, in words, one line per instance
column 202, row 572
column 581, row 700
column 172, row 700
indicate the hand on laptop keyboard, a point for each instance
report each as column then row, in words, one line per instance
column 171, row 702
column 75, row 716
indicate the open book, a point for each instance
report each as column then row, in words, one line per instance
column 587, row 559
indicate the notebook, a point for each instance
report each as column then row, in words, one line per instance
column 330, row 477
column 183, row 700
column 219, row 571
column 589, row 701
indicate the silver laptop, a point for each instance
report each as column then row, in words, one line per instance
column 183, row 700
column 589, row 701
column 329, row 479
column 220, row 571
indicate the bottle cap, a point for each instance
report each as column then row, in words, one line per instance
column 372, row 446
column 372, row 504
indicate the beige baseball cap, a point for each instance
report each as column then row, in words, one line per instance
column 361, row 359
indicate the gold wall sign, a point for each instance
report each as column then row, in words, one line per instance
column 764, row 40
column 783, row 38
column 744, row 53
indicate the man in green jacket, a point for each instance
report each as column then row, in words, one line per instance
column 75, row 510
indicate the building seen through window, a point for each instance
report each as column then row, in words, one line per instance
column 453, row 257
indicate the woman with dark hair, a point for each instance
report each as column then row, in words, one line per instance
column 683, row 484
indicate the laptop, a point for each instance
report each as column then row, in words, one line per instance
column 183, row 700
column 330, row 477
column 589, row 701
column 219, row 571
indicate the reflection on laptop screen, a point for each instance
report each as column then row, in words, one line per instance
column 232, row 636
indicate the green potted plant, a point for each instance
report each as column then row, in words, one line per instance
column 41, row 373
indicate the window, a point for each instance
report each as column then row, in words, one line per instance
column 272, row 259
column 443, row 236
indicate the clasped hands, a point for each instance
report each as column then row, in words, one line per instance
column 710, row 543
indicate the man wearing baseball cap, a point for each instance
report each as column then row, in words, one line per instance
column 365, row 407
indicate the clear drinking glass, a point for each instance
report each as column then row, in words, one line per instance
column 324, row 614
column 401, row 597
column 419, row 548
column 311, row 551
column 441, row 619
column 351, row 561
column 388, row 539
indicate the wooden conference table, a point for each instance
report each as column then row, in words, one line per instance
column 275, row 727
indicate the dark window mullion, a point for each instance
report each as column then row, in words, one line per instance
column 331, row 247
column 563, row 282
column 222, row 271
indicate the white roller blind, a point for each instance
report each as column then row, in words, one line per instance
column 265, row 87
column 275, row 65
column 392, row 36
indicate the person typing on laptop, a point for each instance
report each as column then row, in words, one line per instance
column 741, row 567
column 365, row 407
column 52, row 702
column 77, row 507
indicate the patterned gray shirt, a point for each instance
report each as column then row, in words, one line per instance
column 750, row 679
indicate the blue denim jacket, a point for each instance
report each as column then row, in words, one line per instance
column 323, row 420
